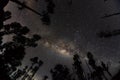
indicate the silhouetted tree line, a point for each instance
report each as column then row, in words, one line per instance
column 13, row 52
column 28, row 72
column 96, row 72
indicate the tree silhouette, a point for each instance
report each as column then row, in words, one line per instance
column 13, row 52
column 98, row 72
column 35, row 65
column 106, row 68
column 79, row 70
column 60, row 72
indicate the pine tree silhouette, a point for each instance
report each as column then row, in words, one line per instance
column 98, row 72
column 79, row 70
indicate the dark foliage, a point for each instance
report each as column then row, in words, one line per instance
column 60, row 72
column 13, row 52
column 96, row 72
column 79, row 70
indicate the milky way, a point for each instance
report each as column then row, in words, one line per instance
column 73, row 30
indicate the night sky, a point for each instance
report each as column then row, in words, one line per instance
column 73, row 30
